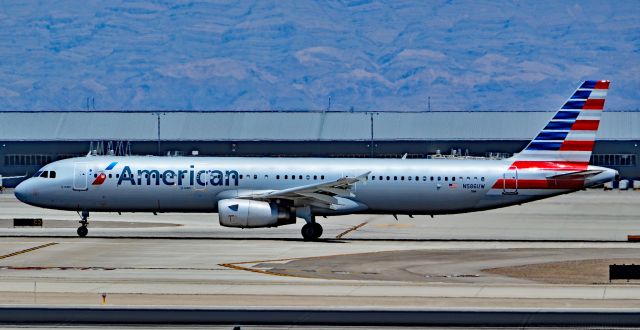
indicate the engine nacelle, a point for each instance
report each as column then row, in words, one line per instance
column 244, row 213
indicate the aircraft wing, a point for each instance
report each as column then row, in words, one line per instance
column 320, row 194
column 575, row 175
column 12, row 177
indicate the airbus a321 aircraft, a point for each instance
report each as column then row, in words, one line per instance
column 271, row 192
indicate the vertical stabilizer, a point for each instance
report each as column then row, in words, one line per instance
column 568, row 138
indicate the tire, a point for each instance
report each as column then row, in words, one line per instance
column 311, row 231
column 82, row 231
column 318, row 230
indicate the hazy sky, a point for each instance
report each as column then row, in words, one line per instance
column 294, row 55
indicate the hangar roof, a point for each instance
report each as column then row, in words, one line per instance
column 292, row 126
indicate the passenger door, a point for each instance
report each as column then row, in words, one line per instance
column 80, row 177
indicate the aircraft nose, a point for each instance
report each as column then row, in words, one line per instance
column 22, row 191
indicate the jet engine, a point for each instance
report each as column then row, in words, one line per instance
column 244, row 213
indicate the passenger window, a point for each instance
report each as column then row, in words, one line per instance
column 241, row 176
column 409, row 178
column 308, row 177
column 373, row 177
column 431, row 178
column 286, row 177
column 395, row 178
column 453, row 178
column 95, row 175
column 293, row 177
column 255, row 177
column 380, row 177
column 468, row 178
column 439, row 178
column 388, row 178
column 402, row 178
column 315, row 177
column 475, row 178
column 322, row 177
column 52, row 174
column 278, row 177
column 117, row 176
column 482, row 179
column 424, row 178
column 446, row 178
column 110, row 175
column 417, row 178
column 300, row 177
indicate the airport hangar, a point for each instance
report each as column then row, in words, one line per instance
column 30, row 139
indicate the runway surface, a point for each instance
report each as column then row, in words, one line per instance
column 583, row 216
column 548, row 254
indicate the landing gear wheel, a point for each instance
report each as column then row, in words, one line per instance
column 83, row 231
column 318, row 229
column 84, row 222
column 311, row 231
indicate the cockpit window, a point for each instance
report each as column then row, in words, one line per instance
column 37, row 174
column 52, row 174
column 44, row 174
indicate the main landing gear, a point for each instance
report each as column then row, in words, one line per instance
column 311, row 231
column 84, row 222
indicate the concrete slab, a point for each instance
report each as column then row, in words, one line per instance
column 192, row 263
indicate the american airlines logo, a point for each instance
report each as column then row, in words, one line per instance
column 189, row 177
column 101, row 175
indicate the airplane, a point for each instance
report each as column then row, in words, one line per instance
column 254, row 192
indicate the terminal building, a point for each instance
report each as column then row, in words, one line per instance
column 29, row 140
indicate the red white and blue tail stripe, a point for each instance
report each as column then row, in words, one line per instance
column 568, row 138
column 557, row 159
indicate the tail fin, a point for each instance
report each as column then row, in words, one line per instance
column 569, row 137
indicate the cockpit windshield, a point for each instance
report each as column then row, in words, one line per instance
column 45, row 174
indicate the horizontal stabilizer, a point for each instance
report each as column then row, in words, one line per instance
column 576, row 175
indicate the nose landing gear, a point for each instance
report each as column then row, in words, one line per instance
column 84, row 222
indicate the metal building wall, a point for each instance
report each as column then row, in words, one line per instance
column 300, row 134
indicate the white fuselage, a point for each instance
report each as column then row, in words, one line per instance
column 196, row 184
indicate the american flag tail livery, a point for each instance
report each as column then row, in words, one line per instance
column 558, row 157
